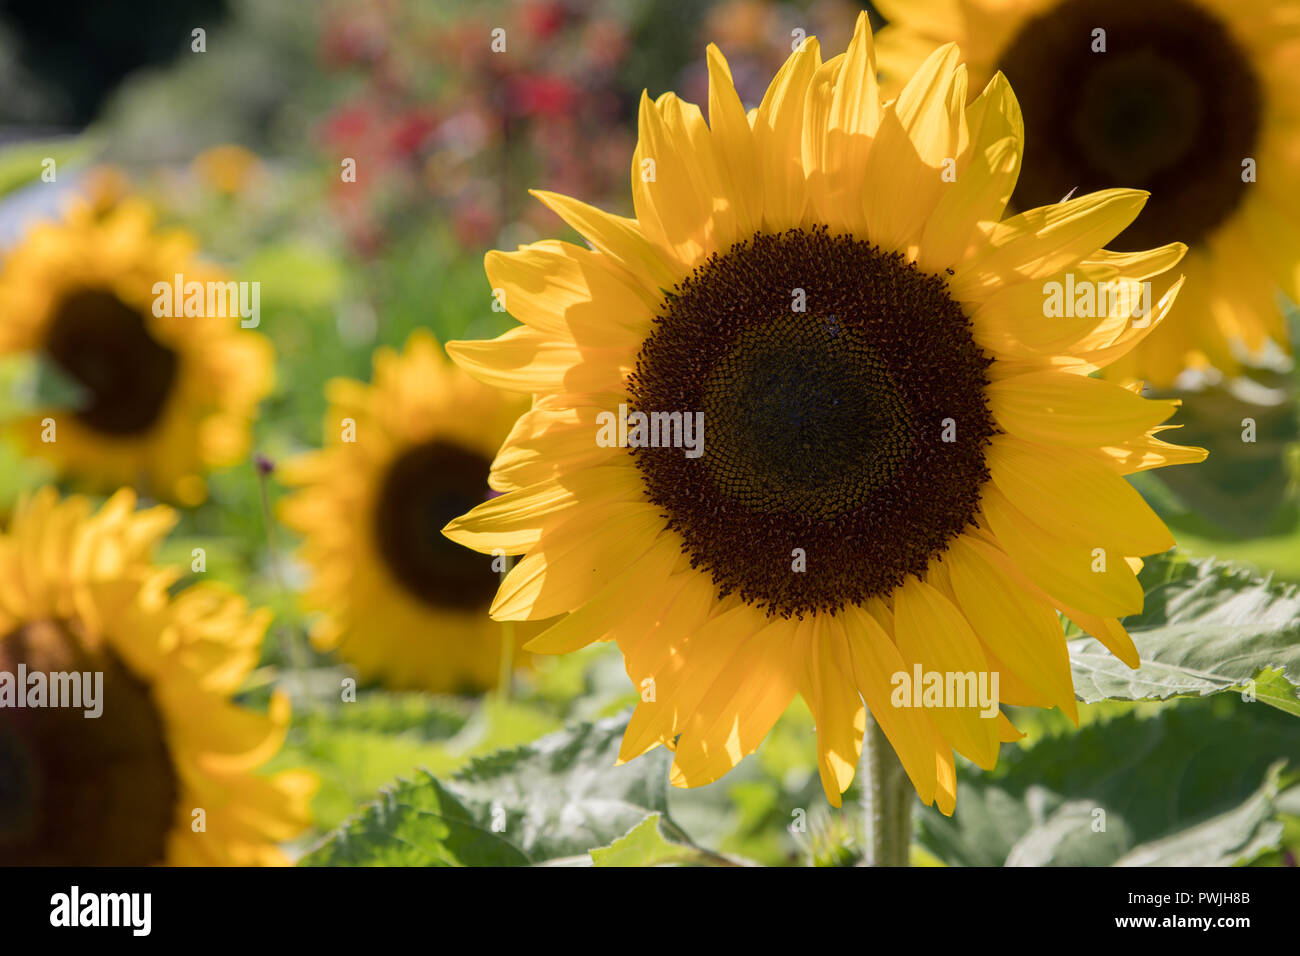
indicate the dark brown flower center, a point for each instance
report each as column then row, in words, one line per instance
column 77, row 790
column 843, row 444
column 104, row 347
column 1173, row 106
column 425, row 487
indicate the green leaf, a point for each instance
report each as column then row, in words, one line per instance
column 1244, row 488
column 1181, row 785
column 360, row 746
column 1239, row 835
column 352, row 764
column 1272, row 687
column 55, row 388
column 496, row 725
column 563, row 795
column 557, row 798
column 430, row 716
column 590, row 683
column 645, row 845
column 416, row 823
column 20, row 164
column 295, row 275
column 1206, row 628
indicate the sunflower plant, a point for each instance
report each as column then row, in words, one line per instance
column 402, row 603
column 128, row 393
column 1190, row 99
column 856, row 329
column 165, row 774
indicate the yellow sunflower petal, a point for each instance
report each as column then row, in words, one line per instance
column 828, row 687
column 1057, row 409
column 619, row 238
column 1047, row 240
column 568, row 291
column 570, row 568
column 1025, row 634
column 734, row 143
column 528, row 360
column 514, row 522
column 933, row 633
column 740, row 708
column 986, row 176
column 1078, row 492
column 778, row 136
column 918, row 133
column 1067, row 569
column 630, row 594
column 875, row 662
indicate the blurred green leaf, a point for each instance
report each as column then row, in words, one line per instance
column 20, row 164
column 1249, row 425
column 431, row 717
column 645, row 845
column 558, row 797
column 352, row 765
column 496, row 724
column 588, row 684
column 416, row 823
column 564, row 794
column 55, row 388
column 1206, row 627
column 355, row 748
column 358, row 747
column 1182, row 787
column 1237, row 836
column 294, row 275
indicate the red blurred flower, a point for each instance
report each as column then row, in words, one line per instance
column 411, row 130
column 540, row 94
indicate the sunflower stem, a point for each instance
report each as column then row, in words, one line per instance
column 886, row 801
column 294, row 652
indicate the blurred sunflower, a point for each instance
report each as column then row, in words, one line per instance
column 905, row 463
column 1190, row 99
column 228, row 168
column 140, row 400
column 405, row 455
column 123, row 789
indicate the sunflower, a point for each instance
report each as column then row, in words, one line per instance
column 149, row 401
column 904, row 463
column 1193, row 100
column 164, row 773
column 405, row 455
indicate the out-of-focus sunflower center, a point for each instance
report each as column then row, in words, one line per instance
column 1172, row 105
column 106, row 348
column 75, row 790
column 844, row 419
column 425, row 487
